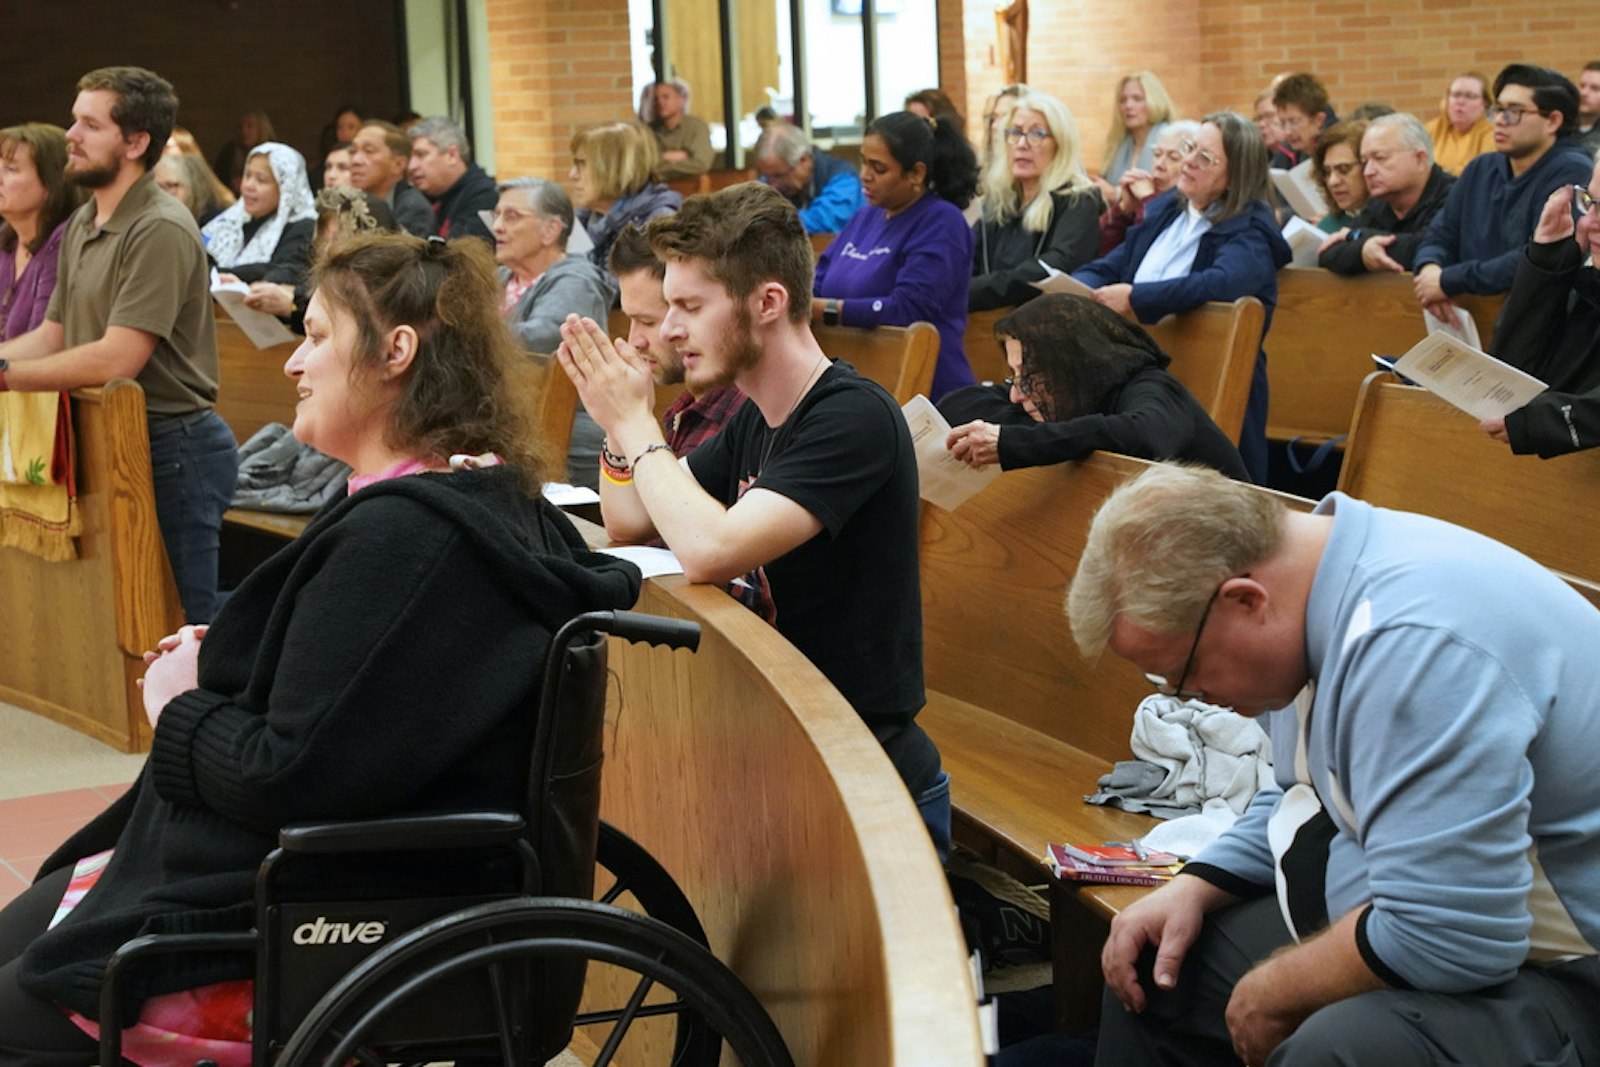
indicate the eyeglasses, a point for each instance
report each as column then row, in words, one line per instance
column 510, row 216
column 1034, row 137
column 1206, row 160
column 1582, row 200
column 1292, row 122
column 1026, row 384
column 1343, row 170
column 1512, row 114
column 1178, row 691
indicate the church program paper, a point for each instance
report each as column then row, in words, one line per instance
column 1467, row 377
column 264, row 330
column 946, row 481
column 1056, row 282
column 1300, row 190
column 1464, row 329
column 1304, row 240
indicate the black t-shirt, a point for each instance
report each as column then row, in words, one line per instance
column 849, row 599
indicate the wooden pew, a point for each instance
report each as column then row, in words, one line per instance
column 759, row 789
column 1213, row 350
column 253, row 389
column 899, row 358
column 74, row 633
column 1410, row 450
column 1324, row 332
column 1024, row 723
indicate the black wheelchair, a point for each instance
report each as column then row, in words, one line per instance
column 382, row 977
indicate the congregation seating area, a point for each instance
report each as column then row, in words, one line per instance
column 1025, row 725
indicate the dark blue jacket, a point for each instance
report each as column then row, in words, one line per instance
column 1489, row 215
column 1239, row 257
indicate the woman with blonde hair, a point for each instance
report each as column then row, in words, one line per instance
column 1139, row 109
column 1044, row 212
column 182, row 143
column 614, row 183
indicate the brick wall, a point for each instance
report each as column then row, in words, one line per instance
column 557, row 66
column 1212, row 54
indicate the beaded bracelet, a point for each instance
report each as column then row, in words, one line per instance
column 659, row 445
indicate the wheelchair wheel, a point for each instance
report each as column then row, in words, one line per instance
column 635, row 873
column 672, row 979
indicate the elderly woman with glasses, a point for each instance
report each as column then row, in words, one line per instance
column 1046, row 214
column 542, row 285
column 1211, row 237
column 1084, row 378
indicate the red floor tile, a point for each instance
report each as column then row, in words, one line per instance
column 81, row 804
column 37, row 838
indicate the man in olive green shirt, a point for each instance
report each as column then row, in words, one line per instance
column 133, row 300
column 685, row 141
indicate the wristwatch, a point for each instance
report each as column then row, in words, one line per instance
column 830, row 312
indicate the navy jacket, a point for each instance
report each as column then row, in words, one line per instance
column 1239, row 257
column 1489, row 215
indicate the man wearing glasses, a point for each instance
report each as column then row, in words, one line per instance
column 1406, row 189
column 1420, row 885
column 1473, row 245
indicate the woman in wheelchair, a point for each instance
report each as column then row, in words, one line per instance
column 386, row 662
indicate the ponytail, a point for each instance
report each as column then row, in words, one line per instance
column 938, row 145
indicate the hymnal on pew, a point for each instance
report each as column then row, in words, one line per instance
column 1111, row 864
column 1468, row 377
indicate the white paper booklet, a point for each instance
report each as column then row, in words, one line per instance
column 1304, row 240
column 1298, row 188
column 264, row 330
column 946, row 481
column 1056, row 282
column 1468, row 377
column 1464, row 330
column 652, row 562
column 563, row 495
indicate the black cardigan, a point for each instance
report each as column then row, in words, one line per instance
column 386, row 662
column 1006, row 258
column 1152, row 416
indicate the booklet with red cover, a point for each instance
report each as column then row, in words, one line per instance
column 1152, row 871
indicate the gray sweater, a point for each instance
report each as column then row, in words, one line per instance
column 571, row 286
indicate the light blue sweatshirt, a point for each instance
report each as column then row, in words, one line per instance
column 1452, row 741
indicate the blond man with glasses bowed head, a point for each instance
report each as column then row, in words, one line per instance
column 1421, row 875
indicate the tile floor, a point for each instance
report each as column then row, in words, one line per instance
column 32, row 827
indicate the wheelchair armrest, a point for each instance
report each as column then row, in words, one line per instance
column 415, row 833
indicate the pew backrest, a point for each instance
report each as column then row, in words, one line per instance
column 1326, row 328
column 253, row 389
column 899, row 358
column 1412, row 451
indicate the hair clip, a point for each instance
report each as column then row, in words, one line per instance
column 435, row 239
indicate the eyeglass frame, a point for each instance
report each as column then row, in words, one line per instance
column 490, row 216
column 1034, row 138
column 1343, row 170
column 1494, row 111
column 1583, row 201
column 1190, row 147
column 1177, row 692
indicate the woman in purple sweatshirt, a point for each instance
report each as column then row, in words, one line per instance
column 35, row 201
column 906, row 255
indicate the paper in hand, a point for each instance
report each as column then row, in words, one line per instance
column 946, row 481
column 1056, row 282
column 264, row 330
column 1469, row 378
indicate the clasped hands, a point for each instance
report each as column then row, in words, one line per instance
column 612, row 379
column 173, row 667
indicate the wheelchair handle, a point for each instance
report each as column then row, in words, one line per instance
column 655, row 629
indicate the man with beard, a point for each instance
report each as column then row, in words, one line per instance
column 697, row 413
column 809, row 491
column 133, row 300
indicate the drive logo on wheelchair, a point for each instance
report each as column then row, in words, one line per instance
column 322, row 932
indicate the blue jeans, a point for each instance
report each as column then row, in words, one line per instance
column 194, row 463
column 915, row 756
